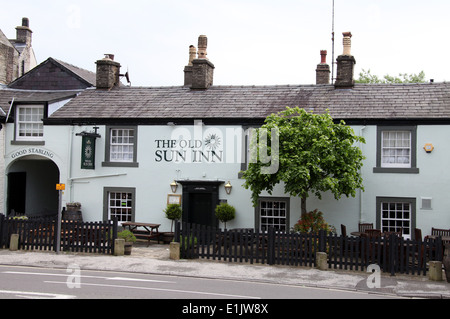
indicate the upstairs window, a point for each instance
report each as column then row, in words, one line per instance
column 29, row 125
column 396, row 150
column 121, row 146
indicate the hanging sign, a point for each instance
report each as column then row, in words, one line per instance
column 88, row 152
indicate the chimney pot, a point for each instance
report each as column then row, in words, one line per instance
column 347, row 41
column 25, row 22
column 202, row 45
column 323, row 56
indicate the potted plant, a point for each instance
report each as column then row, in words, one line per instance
column 173, row 212
column 73, row 212
column 129, row 238
column 225, row 213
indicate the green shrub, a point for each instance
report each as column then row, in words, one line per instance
column 173, row 212
column 127, row 235
column 225, row 213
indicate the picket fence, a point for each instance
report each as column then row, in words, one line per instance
column 392, row 254
column 76, row 236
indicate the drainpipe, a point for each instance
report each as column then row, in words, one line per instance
column 361, row 197
column 69, row 173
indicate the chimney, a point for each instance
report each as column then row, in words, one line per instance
column 202, row 68
column 23, row 32
column 108, row 72
column 345, row 65
column 323, row 69
column 188, row 68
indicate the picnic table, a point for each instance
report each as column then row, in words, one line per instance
column 143, row 230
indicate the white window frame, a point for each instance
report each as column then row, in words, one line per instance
column 33, row 122
column 122, row 156
column 122, row 203
column 395, row 214
column 399, row 147
column 273, row 212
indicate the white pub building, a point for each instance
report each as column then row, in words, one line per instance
column 129, row 151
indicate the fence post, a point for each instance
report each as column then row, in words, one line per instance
column 2, row 223
column 271, row 246
column 114, row 234
column 177, row 231
column 322, row 242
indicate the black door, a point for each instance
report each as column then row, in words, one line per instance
column 199, row 202
column 200, row 209
column 17, row 183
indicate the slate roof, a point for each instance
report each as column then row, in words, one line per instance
column 31, row 96
column 54, row 74
column 364, row 101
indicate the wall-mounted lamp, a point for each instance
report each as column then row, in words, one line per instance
column 174, row 186
column 228, row 187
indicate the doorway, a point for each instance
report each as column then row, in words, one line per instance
column 17, row 184
column 199, row 202
column 31, row 187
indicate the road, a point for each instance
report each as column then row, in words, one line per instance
column 72, row 283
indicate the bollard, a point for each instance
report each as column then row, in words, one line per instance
column 435, row 272
column 321, row 261
column 119, row 247
column 14, row 242
column 174, row 251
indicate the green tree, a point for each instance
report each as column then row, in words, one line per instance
column 368, row 77
column 225, row 213
column 315, row 155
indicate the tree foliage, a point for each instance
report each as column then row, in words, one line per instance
column 368, row 77
column 315, row 155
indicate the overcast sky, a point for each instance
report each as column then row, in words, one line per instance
column 250, row 42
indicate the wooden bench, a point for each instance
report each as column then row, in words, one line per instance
column 148, row 232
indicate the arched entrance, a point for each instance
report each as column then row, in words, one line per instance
column 31, row 187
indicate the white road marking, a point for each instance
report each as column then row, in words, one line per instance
column 83, row 276
column 162, row 289
column 36, row 295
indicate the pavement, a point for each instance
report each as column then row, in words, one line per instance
column 155, row 259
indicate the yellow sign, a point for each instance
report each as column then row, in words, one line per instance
column 60, row 187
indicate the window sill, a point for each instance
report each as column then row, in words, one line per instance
column 120, row 164
column 27, row 142
column 396, row 170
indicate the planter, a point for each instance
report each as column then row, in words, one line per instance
column 127, row 248
column 446, row 262
column 73, row 212
column 167, row 237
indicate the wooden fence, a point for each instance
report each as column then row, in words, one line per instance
column 393, row 254
column 76, row 236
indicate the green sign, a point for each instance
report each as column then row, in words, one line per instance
column 88, row 152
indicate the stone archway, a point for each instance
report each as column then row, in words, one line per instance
column 31, row 186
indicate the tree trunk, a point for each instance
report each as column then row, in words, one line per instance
column 303, row 205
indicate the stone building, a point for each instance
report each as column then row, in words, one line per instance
column 16, row 55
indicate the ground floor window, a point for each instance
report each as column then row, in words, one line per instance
column 396, row 214
column 273, row 212
column 120, row 203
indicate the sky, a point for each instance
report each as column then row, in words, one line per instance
column 250, row 42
